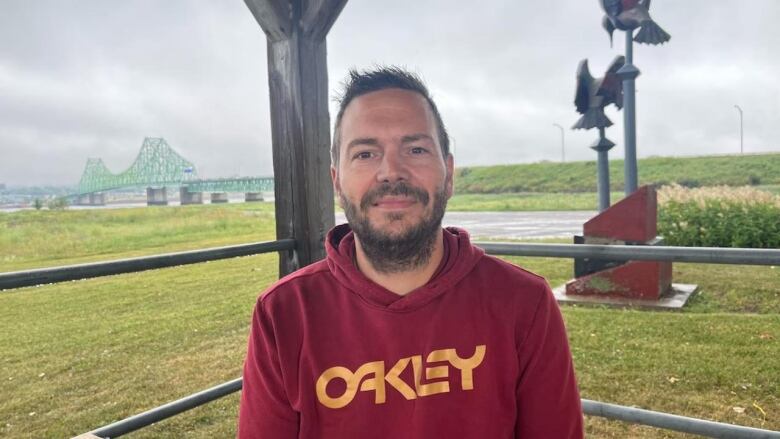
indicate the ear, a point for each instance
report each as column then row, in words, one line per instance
column 449, row 183
column 334, row 176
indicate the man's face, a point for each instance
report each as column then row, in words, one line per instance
column 391, row 176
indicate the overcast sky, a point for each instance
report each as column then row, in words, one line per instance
column 83, row 79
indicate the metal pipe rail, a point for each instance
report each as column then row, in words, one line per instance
column 633, row 415
column 149, row 417
column 594, row 408
column 704, row 255
column 17, row 279
column 668, row 421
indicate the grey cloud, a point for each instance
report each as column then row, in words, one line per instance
column 92, row 78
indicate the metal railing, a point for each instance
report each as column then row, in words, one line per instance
column 593, row 408
column 149, row 417
column 17, row 279
column 668, row 421
column 705, row 255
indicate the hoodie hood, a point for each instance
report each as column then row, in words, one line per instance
column 459, row 259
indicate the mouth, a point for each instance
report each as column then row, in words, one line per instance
column 398, row 197
column 394, row 202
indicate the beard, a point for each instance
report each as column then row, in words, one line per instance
column 405, row 250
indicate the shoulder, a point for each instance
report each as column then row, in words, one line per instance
column 501, row 271
column 295, row 284
column 509, row 285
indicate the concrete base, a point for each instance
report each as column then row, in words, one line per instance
column 219, row 197
column 675, row 299
column 97, row 199
column 156, row 196
column 93, row 199
column 253, row 196
column 187, row 197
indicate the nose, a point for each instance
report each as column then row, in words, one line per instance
column 392, row 169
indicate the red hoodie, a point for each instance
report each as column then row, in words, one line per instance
column 480, row 351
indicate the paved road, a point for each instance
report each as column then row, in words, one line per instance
column 514, row 225
column 480, row 225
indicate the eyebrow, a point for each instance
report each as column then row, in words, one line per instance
column 415, row 137
column 371, row 141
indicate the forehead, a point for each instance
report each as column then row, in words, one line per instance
column 387, row 109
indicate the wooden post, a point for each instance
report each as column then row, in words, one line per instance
column 300, row 123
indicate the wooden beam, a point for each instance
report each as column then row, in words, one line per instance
column 300, row 123
column 274, row 17
column 319, row 16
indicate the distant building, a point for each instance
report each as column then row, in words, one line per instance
column 2, row 186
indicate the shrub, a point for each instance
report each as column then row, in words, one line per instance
column 689, row 182
column 754, row 180
column 60, row 203
column 719, row 217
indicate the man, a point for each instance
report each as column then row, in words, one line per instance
column 405, row 330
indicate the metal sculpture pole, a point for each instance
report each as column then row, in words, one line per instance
column 592, row 95
column 602, row 146
column 628, row 74
column 629, row 15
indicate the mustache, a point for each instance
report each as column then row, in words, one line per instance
column 397, row 189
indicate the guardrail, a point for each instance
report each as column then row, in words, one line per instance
column 147, row 418
column 705, row 255
column 593, row 408
column 26, row 278
column 667, row 421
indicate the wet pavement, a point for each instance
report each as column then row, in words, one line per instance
column 514, row 225
column 480, row 225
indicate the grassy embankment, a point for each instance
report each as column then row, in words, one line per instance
column 81, row 354
column 33, row 239
column 572, row 186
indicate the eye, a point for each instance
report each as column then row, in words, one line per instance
column 416, row 150
column 363, row 155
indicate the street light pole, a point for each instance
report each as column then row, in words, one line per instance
column 563, row 144
column 741, row 136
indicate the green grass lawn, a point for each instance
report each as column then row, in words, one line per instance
column 732, row 170
column 33, row 239
column 78, row 355
column 540, row 201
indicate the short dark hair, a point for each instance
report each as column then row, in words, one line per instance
column 381, row 78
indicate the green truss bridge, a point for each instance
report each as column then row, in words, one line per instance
column 158, row 165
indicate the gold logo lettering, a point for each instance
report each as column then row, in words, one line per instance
column 372, row 377
column 465, row 365
column 395, row 380
column 377, row 384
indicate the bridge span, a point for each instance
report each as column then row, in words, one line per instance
column 157, row 168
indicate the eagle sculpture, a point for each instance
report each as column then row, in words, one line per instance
column 593, row 94
column 628, row 15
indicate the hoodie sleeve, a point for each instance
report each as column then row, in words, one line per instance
column 548, row 401
column 265, row 408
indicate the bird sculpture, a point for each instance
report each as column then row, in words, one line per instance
column 628, row 15
column 593, row 94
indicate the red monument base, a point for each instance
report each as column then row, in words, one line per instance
column 647, row 280
column 633, row 221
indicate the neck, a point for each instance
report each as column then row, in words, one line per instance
column 403, row 282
